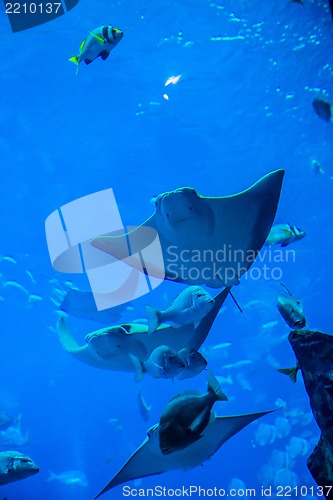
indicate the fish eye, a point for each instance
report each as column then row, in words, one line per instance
column 168, row 216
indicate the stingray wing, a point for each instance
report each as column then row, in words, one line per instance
column 241, row 225
column 148, row 460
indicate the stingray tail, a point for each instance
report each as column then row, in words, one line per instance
column 154, row 319
column 139, row 368
column 215, row 388
column 291, row 372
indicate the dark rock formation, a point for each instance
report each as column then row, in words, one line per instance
column 314, row 352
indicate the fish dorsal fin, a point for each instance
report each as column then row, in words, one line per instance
column 284, row 286
column 82, row 44
column 189, row 392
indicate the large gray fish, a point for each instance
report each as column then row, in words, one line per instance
column 186, row 416
column 284, row 234
column 162, row 363
column 15, row 466
column 191, row 305
column 98, row 43
column 148, row 460
column 194, row 363
column 291, row 309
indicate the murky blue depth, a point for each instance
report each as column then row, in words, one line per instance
column 242, row 108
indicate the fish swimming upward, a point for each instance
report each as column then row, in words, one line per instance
column 186, row 416
column 98, row 43
column 291, row 309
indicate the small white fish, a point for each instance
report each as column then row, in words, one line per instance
column 143, row 406
column 244, row 383
column 15, row 284
column 10, row 259
column 35, row 298
column 224, row 380
column 28, row 273
column 221, row 346
column 173, row 80
column 243, row 362
column 189, row 307
column 71, row 477
column 269, row 325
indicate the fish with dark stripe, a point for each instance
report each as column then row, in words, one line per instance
column 98, row 43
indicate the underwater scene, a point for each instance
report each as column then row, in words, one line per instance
column 165, row 277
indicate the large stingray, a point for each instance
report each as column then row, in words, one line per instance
column 123, row 340
column 204, row 240
column 148, row 459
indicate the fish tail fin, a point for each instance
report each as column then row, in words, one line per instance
column 215, row 388
column 75, row 60
column 52, row 476
column 139, row 368
column 154, row 319
column 291, row 372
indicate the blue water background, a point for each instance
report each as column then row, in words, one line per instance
column 241, row 109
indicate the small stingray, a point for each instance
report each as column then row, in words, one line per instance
column 148, row 459
column 136, row 340
column 204, row 240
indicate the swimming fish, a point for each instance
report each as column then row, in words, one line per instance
column 163, row 362
column 5, row 421
column 186, row 336
column 15, row 466
column 148, row 460
column 12, row 436
column 284, row 234
column 191, row 305
column 98, row 43
column 143, row 407
column 316, row 167
column 186, row 416
column 322, row 109
column 197, row 234
column 291, row 309
column 194, row 363
column 71, row 477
